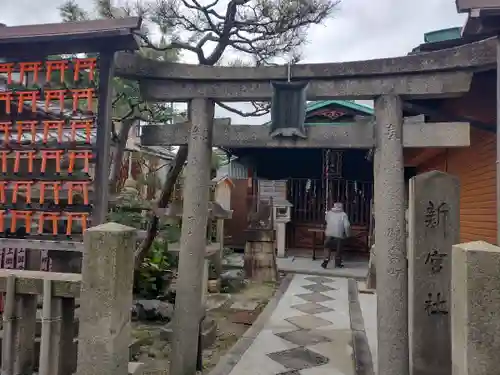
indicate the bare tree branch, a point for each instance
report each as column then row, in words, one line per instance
column 262, row 29
column 260, row 109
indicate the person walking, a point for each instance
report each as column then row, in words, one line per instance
column 337, row 229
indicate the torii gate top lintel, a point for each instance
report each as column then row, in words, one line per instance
column 441, row 73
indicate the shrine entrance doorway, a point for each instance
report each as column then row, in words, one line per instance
column 314, row 180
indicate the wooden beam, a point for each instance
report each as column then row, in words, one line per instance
column 467, row 5
column 103, row 138
column 410, row 86
column 442, row 114
column 66, row 285
column 356, row 135
column 421, row 156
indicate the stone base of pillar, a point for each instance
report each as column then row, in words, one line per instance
column 259, row 258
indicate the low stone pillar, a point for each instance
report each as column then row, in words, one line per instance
column 280, row 239
column 259, row 258
column 475, row 309
column 106, row 300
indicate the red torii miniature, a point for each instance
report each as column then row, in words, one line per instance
column 26, row 215
column 7, row 68
column 2, row 220
column 26, row 67
column 88, row 63
column 55, row 65
column 56, row 187
column 53, row 124
column 73, row 155
column 51, row 154
column 31, row 95
column 30, row 154
column 82, row 216
column 3, row 184
column 53, row 216
column 27, row 185
column 6, row 127
column 82, row 94
column 26, row 125
column 82, row 186
column 7, row 97
column 55, row 95
column 3, row 155
column 81, row 124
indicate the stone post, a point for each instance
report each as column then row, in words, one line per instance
column 434, row 227
column 475, row 307
column 281, row 239
column 106, row 300
column 391, row 261
column 188, row 307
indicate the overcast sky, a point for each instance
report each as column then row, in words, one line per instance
column 360, row 29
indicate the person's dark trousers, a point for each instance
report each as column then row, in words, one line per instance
column 333, row 244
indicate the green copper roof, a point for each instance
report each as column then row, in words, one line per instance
column 351, row 104
column 343, row 103
column 443, row 34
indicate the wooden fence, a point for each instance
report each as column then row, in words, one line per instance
column 84, row 320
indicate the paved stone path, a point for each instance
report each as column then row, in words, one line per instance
column 307, row 334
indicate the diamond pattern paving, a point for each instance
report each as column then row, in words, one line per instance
column 315, row 297
column 308, row 321
column 298, row 358
column 319, row 279
column 303, row 337
column 318, row 288
column 312, row 308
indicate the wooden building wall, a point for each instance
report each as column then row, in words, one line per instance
column 476, row 168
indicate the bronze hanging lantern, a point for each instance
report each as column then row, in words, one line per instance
column 288, row 108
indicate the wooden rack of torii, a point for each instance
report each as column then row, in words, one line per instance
column 45, row 168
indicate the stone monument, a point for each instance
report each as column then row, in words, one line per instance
column 433, row 222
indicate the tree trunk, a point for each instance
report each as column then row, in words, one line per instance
column 117, row 161
column 166, row 193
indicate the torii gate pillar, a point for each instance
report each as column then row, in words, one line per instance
column 390, row 242
column 188, row 310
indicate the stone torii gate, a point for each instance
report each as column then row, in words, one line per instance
column 389, row 82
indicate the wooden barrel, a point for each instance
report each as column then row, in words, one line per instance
column 260, row 258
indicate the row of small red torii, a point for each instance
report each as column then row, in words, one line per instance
column 77, row 94
column 87, row 64
column 30, row 127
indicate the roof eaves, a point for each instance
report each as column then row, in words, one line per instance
column 344, row 103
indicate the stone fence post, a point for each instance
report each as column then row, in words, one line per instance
column 475, row 313
column 106, row 300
